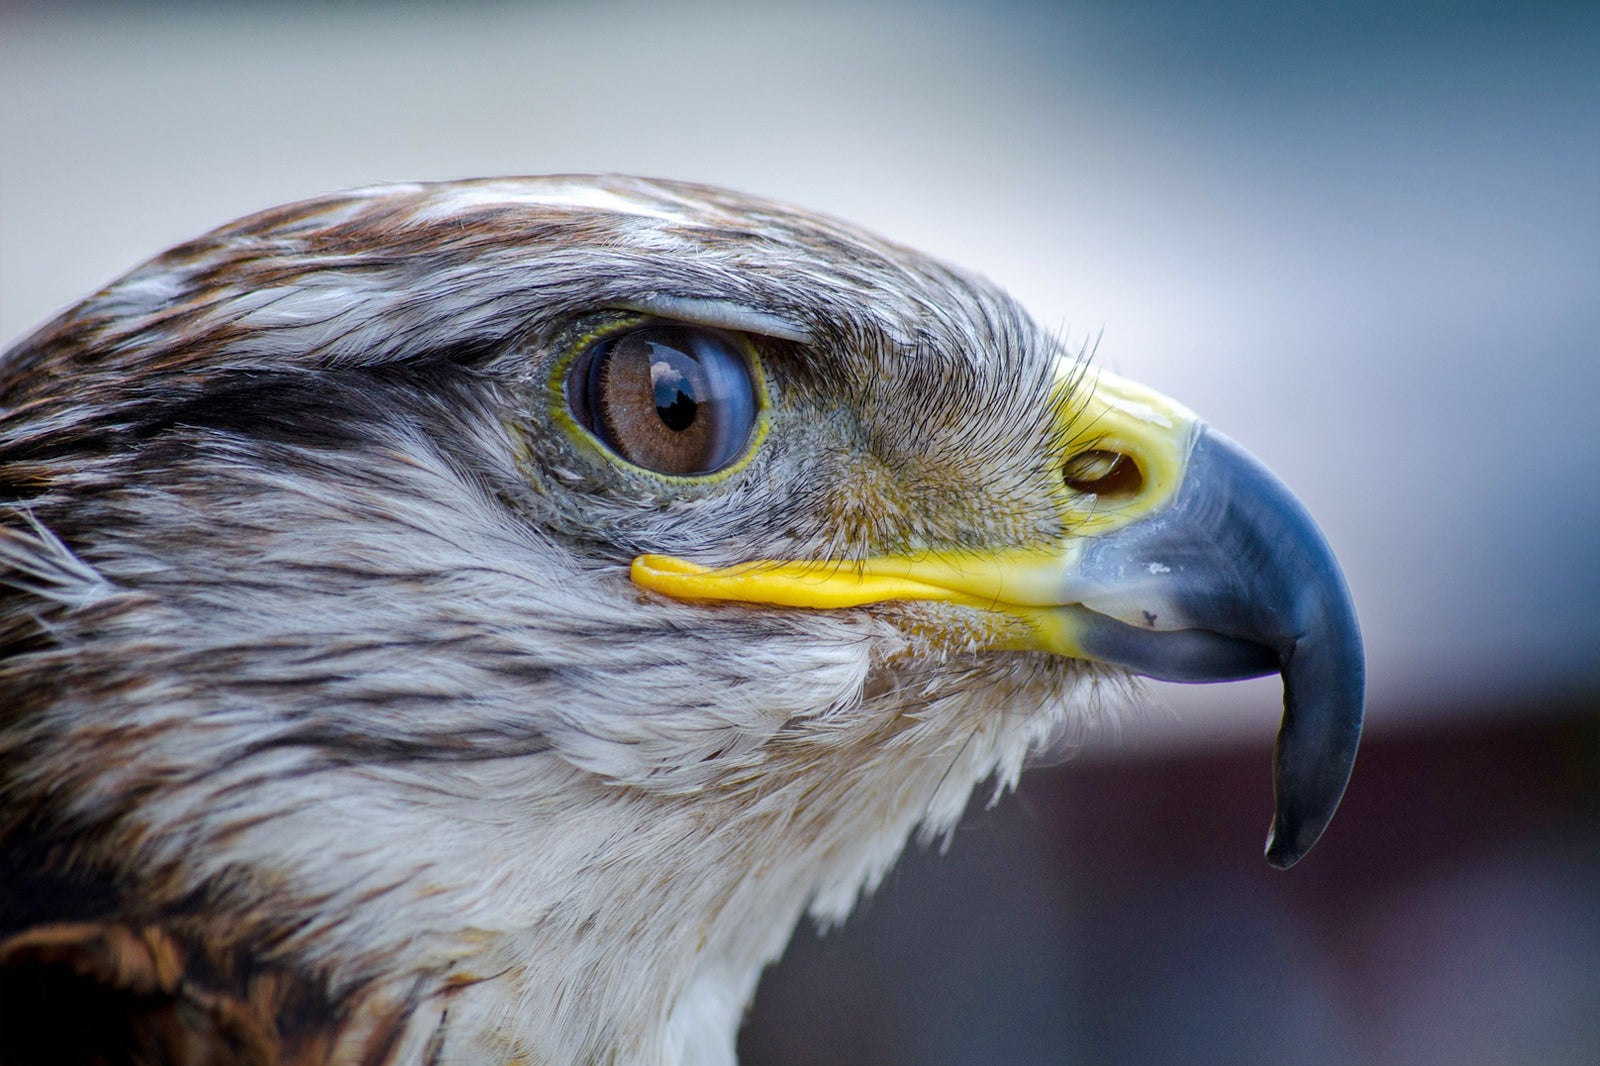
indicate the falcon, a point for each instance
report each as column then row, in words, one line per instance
column 474, row 622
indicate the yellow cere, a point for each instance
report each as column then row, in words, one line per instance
column 1119, row 415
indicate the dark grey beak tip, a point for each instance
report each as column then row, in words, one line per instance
column 1324, row 699
column 1308, row 796
column 1291, row 597
column 1294, row 834
column 1281, row 856
column 1288, row 844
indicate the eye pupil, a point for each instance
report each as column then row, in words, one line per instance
column 679, row 414
column 674, row 399
column 674, row 403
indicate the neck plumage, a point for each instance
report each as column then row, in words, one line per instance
column 598, row 923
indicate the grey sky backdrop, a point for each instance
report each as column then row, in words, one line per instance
column 1364, row 241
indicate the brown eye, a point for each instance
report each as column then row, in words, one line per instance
column 1102, row 473
column 673, row 399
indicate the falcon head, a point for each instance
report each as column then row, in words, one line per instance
column 473, row 622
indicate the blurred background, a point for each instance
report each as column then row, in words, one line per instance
column 1363, row 239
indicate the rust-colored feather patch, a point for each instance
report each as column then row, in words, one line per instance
column 92, row 992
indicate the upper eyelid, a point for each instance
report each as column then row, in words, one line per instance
column 720, row 314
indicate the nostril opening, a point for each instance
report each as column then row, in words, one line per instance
column 1103, row 473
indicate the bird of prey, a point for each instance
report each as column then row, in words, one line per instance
column 474, row 622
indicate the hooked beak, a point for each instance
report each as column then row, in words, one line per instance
column 1187, row 561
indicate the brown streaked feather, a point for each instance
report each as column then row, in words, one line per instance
column 90, row 992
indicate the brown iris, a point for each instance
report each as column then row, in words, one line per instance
column 677, row 400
